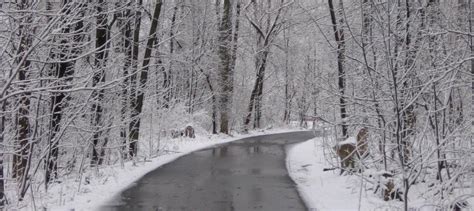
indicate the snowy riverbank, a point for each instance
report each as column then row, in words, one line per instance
column 107, row 182
column 326, row 190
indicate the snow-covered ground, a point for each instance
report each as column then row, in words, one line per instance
column 327, row 190
column 109, row 181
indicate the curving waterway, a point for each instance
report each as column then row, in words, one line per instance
column 248, row 174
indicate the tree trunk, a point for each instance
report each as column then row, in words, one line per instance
column 235, row 38
column 258, row 89
column 98, row 78
column 214, row 102
column 132, row 149
column 471, row 43
column 61, row 71
column 2, row 150
column 265, row 35
column 225, row 71
column 408, row 114
column 22, row 145
column 135, row 130
column 167, row 74
column 128, row 51
column 368, row 40
column 286, row 112
column 256, row 95
column 339, row 37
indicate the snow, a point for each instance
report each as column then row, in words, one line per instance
column 320, row 190
column 109, row 181
column 327, row 190
column 350, row 140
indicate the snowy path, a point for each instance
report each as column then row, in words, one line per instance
column 249, row 174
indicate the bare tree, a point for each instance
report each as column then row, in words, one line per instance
column 167, row 74
column 138, row 107
column 235, row 35
column 100, row 61
column 266, row 31
column 340, row 40
column 225, row 71
column 63, row 71
column 133, row 128
column 2, row 155
column 128, row 46
column 20, row 159
column 471, row 43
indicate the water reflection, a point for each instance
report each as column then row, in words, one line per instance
column 219, row 151
column 254, row 149
column 255, row 171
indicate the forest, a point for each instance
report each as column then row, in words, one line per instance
column 87, row 84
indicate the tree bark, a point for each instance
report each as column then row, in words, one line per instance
column 128, row 51
column 235, row 37
column 256, row 95
column 2, row 150
column 408, row 114
column 339, row 37
column 286, row 112
column 61, row 71
column 167, row 74
column 366, row 40
column 214, row 101
column 132, row 149
column 225, row 71
column 98, row 78
column 471, row 43
column 135, row 130
column 264, row 37
column 22, row 145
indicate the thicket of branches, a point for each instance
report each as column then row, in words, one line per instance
column 405, row 72
column 82, row 82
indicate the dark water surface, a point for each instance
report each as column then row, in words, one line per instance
column 249, row 174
